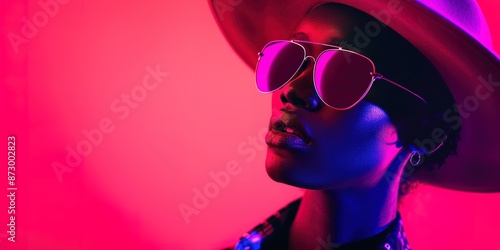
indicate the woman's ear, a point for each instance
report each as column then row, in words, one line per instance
column 419, row 152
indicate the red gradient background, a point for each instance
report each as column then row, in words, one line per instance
column 71, row 76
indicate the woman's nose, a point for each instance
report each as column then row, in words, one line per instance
column 300, row 91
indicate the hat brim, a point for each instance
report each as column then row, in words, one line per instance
column 470, row 70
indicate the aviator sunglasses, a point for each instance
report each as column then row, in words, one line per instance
column 341, row 77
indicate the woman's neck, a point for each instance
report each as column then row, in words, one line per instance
column 326, row 219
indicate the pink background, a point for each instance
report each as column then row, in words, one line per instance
column 70, row 75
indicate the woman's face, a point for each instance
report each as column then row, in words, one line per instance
column 320, row 147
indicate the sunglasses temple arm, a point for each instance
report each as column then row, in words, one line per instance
column 378, row 76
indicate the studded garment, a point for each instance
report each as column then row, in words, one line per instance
column 273, row 234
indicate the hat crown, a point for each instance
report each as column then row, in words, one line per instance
column 465, row 14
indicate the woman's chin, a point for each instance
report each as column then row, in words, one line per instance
column 306, row 176
column 292, row 175
column 281, row 169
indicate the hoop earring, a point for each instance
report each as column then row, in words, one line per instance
column 415, row 158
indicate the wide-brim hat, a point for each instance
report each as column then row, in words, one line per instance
column 452, row 34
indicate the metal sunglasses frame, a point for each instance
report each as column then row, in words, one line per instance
column 375, row 75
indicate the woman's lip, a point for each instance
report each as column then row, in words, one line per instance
column 290, row 121
column 280, row 139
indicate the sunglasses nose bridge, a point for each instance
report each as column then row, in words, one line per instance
column 311, row 57
column 306, row 64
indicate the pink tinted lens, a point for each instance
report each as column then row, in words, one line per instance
column 278, row 64
column 342, row 77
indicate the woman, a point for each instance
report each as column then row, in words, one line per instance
column 368, row 97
